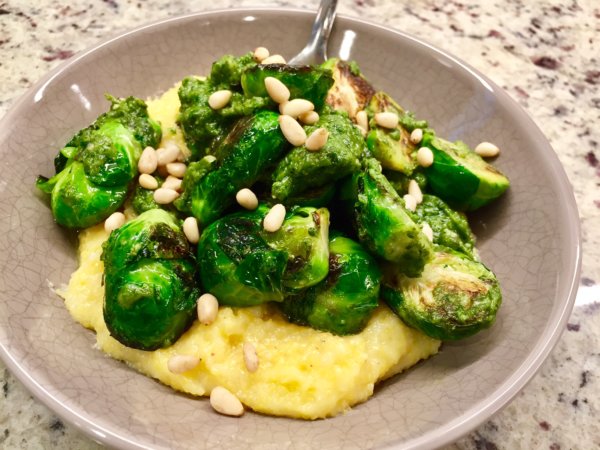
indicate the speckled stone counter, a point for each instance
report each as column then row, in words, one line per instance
column 544, row 53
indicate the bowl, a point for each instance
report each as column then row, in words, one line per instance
column 530, row 238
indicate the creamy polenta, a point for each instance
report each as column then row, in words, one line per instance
column 302, row 372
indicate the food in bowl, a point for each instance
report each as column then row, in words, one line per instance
column 246, row 256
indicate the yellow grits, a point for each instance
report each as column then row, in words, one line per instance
column 302, row 373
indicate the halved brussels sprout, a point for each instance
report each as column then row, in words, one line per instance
column 350, row 92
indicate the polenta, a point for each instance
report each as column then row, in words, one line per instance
column 302, row 372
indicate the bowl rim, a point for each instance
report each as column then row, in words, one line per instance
column 443, row 435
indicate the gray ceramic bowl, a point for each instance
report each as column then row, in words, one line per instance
column 530, row 238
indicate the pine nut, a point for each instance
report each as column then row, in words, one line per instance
column 219, row 99
column 274, row 59
column 427, row 231
column 114, row 221
column 148, row 161
column 250, row 357
column 386, row 119
column 148, row 181
column 177, row 169
column 317, row 139
column 409, row 202
column 277, row 90
column 191, row 230
column 167, row 155
column 296, row 107
column 164, row 196
column 225, row 402
column 309, row 117
column 425, row 157
column 292, row 130
column 182, row 363
column 362, row 120
column 260, row 53
column 274, row 218
column 246, row 199
column 361, row 129
column 207, row 308
column 172, row 182
column 415, row 191
column 487, row 150
column 416, row 136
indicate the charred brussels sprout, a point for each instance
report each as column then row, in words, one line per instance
column 460, row 176
column 307, row 82
column 301, row 170
column 383, row 225
column 96, row 167
column 193, row 174
column 243, row 265
column 253, row 145
column 393, row 148
column 150, row 280
column 343, row 302
column 204, row 127
column 455, row 296
column 450, row 228
column 350, row 92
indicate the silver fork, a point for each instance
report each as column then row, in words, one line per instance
column 315, row 51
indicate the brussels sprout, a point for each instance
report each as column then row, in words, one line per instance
column 193, row 174
column 150, row 281
column 350, row 92
column 307, row 82
column 343, row 302
column 301, row 169
column 450, row 228
column 96, row 167
column 78, row 203
column 243, row 265
column 400, row 181
column 204, row 127
column 253, row 145
column 460, row 176
column 393, row 148
column 382, row 223
column 455, row 296
column 316, row 197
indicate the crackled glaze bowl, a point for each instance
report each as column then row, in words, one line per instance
column 530, row 238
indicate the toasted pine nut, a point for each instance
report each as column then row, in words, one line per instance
column 172, row 182
column 296, row 107
column 425, row 157
column 166, row 155
column 415, row 191
column 309, row 117
column 260, row 53
column 487, row 150
column 427, row 231
column 292, row 130
column 416, row 136
column 148, row 181
column 409, row 202
column 148, row 161
column 182, row 363
column 225, row 402
column 317, row 139
column 114, row 221
column 250, row 357
column 177, row 169
column 207, row 309
column 277, row 90
column 164, row 196
column 386, row 119
column 274, row 59
column 362, row 120
column 246, row 199
column 219, row 99
column 191, row 230
column 274, row 218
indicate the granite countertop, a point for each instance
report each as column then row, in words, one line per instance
column 544, row 53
